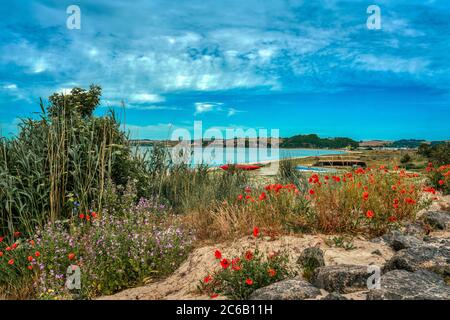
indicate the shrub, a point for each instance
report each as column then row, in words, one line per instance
column 405, row 158
column 372, row 200
column 238, row 277
column 439, row 177
column 113, row 251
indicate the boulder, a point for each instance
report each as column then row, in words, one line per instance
column 311, row 259
column 405, row 285
column 436, row 259
column 417, row 229
column 341, row 278
column 437, row 219
column 291, row 289
column 399, row 241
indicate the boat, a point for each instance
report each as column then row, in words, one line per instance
column 246, row 167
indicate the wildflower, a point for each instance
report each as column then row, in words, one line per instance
column 207, row 279
column 1, row 254
column 1, row 239
column 81, row 215
column 311, row 192
column 37, row 254
column 88, row 218
column 369, row 214
column 214, row 295
column 249, row 282
column 248, row 255
column 392, row 219
column 14, row 246
column 365, row 196
column 11, row 262
column 32, row 243
column 248, row 190
column 16, row 234
column 30, row 267
column 255, row 231
column 441, row 182
column 262, row 196
column 30, row 258
column 94, row 215
column 71, row 256
column 272, row 272
column 235, row 264
column 218, row 254
column 8, row 248
column 225, row 263
column 240, row 197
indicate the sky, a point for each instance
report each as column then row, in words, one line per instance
column 299, row 66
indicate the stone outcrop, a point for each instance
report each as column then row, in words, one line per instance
column 290, row 289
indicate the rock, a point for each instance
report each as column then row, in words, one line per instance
column 438, row 219
column 417, row 229
column 436, row 259
column 341, row 278
column 399, row 241
column 290, row 289
column 377, row 252
column 311, row 258
column 334, row 296
column 404, row 285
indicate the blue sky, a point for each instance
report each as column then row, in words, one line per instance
column 298, row 66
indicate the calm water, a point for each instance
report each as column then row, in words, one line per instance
column 218, row 156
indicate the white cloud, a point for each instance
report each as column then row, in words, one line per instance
column 202, row 107
column 146, row 98
column 11, row 86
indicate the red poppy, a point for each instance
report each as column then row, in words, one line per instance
column 81, row 215
column 272, row 272
column 207, row 279
column 235, row 264
column 240, row 197
column 218, row 254
column 88, row 218
column 262, row 196
column 248, row 255
column 311, row 192
column 392, row 219
column 16, row 234
column 255, row 231
column 14, row 246
column 1, row 239
column 11, row 262
column 441, row 182
column 37, row 254
column 71, row 256
column 8, row 248
column 369, row 214
column 249, row 282
column 94, row 215
column 248, row 190
column 214, row 295
column 365, row 196
column 32, row 243
column 30, row 258
column 225, row 263
column 1, row 254
column 30, row 267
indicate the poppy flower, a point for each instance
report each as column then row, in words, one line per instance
column 8, row 248
column 207, row 279
column 249, row 282
column 14, row 246
column 240, row 197
column 16, row 234
column 11, row 262
column 272, row 272
column 255, row 231
column 1, row 239
column 248, row 255
column 311, row 192
column 225, row 263
column 392, row 219
column 369, row 214
column 235, row 264
column 214, row 295
column 262, row 196
column 365, row 196
column 71, row 256
column 248, row 190
column 37, row 254
column 1, row 254
column 81, row 215
column 218, row 254
column 30, row 258
column 32, row 243
column 30, row 267
column 94, row 215
column 88, row 218
column 441, row 182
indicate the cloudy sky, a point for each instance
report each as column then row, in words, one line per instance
column 299, row 66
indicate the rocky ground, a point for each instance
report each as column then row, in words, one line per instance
column 414, row 263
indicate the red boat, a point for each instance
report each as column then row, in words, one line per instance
column 246, row 167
